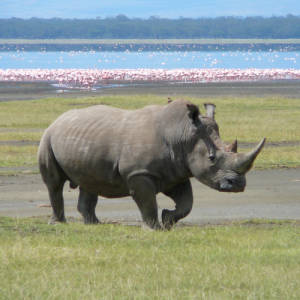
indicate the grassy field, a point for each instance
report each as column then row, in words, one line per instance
column 250, row 260
column 247, row 119
column 247, row 260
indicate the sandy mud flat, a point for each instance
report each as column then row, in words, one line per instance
column 37, row 90
column 270, row 194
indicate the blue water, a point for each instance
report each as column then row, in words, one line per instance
column 162, row 60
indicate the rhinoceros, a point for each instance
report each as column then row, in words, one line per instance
column 112, row 152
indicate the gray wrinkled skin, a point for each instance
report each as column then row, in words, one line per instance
column 112, row 152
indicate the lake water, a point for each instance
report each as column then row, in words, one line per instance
column 151, row 60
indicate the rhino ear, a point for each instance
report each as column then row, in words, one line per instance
column 210, row 110
column 193, row 112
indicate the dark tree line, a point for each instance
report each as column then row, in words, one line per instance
column 153, row 28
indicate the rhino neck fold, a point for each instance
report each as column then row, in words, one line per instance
column 178, row 160
column 175, row 128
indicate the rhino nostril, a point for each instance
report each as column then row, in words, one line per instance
column 212, row 157
column 230, row 181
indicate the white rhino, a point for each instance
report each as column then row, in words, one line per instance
column 113, row 152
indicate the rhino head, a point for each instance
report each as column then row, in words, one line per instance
column 213, row 162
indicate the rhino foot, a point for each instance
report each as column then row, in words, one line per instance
column 148, row 227
column 91, row 219
column 54, row 220
column 168, row 219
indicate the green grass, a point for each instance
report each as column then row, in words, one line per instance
column 241, row 261
column 17, row 156
column 21, row 135
column 279, row 157
column 247, row 119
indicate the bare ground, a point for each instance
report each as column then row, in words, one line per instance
column 270, row 194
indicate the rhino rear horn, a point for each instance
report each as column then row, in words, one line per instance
column 232, row 147
column 245, row 161
column 210, row 110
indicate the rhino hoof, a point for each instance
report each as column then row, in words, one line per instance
column 91, row 220
column 55, row 220
column 167, row 219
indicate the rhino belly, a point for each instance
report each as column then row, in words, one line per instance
column 103, row 183
column 104, row 188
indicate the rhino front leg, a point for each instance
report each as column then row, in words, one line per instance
column 143, row 191
column 183, row 197
column 86, row 206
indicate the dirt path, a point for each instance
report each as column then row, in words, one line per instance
column 269, row 194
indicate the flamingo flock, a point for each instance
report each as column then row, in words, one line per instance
column 89, row 78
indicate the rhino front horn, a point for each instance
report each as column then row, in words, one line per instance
column 245, row 161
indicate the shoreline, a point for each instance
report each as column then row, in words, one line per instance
column 118, row 45
column 26, row 90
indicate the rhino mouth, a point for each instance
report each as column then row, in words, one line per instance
column 231, row 185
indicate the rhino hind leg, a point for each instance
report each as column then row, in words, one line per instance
column 54, row 179
column 182, row 195
column 86, row 206
column 57, row 203
column 143, row 192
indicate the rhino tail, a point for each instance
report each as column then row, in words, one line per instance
column 50, row 170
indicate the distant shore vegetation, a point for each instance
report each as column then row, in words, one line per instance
column 122, row 27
